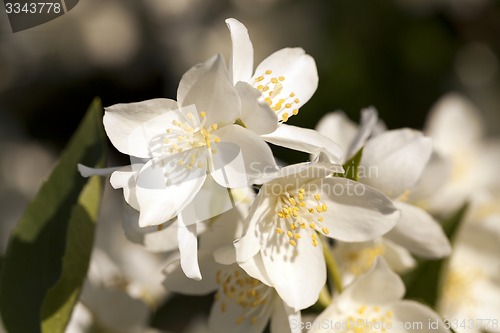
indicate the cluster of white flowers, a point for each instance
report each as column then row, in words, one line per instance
column 268, row 238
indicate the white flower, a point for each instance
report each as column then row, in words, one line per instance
column 286, row 79
column 373, row 303
column 182, row 141
column 242, row 303
column 351, row 137
column 280, row 85
column 116, row 295
column 470, row 288
column 289, row 217
column 392, row 162
column 464, row 160
column 355, row 259
column 399, row 158
column 191, row 149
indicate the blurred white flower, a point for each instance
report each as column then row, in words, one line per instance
column 290, row 215
column 391, row 162
column 373, row 303
column 123, row 284
column 470, row 294
column 464, row 159
column 399, row 158
column 242, row 303
column 355, row 259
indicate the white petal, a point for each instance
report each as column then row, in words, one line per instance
column 164, row 188
column 397, row 257
column 86, row 171
column 223, row 229
column 338, row 128
column 102, row 268
column 420, row 233
column 114, row 309
column 213, row 200
column 454, row 122
column 326, row 320
column 162, row 238
column 207, row 86
column 133, row 128
column 255, row 113
column 367, row 123
column 379, row 286
column 436, row 173
column 228, row 167
column 242, row 158
column 298, row 273
column 225, row 255
column 296, row 175
column 256, row 269
column 484, row 172
column 298, row 69
column 305, row 140
column 418, row 317
column 394, row 161
column 284, row 319
column 187, row 237
column 126, row 178
column 249, row 244
column 81, row 320
column 176, row 281
column 241, row 64
column 355, row 212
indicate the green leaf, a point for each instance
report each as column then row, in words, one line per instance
column 352, row 165
column 33, row 261
column 60, row 300
column 423, row 283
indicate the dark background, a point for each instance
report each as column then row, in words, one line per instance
column 392, row 55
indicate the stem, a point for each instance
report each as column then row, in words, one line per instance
column 332, row 268
column 324, row 297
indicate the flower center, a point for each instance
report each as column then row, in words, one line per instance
column 271, row 88
column 236, row 288
column 300, row 210
column 360, row 261
column 458, row 288
column 368, row 319
column 185, row 136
